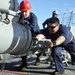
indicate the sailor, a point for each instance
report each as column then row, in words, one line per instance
column 61, row 37
column 31, row 19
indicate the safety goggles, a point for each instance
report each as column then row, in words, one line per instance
column 52, row 27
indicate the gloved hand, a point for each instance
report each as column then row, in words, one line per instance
column 23, row 22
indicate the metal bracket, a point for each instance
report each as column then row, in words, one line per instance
column 6, row 20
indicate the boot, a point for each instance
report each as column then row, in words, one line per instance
column 37, row 59
column 59, row 73
column 23, row 64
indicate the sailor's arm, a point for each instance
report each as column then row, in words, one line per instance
column 57, row 42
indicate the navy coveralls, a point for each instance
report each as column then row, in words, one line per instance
column 45, row 22
column 68, row 44
column 33, row 23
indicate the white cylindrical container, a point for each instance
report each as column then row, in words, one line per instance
column 14, row 37
column 9, row 5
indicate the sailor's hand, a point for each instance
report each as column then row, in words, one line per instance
column 49, row 44
column 23, row 22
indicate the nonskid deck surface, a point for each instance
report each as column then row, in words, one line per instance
column 11, row 62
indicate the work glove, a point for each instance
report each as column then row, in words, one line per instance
column 23, row 22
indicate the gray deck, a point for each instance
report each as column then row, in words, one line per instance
column 11, row 62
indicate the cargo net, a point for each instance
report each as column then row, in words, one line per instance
column 6, row 72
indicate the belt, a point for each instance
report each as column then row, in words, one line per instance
column 71, row 39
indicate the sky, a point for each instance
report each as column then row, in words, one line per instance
column 44, row 8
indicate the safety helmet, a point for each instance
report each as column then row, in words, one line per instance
column 25, row 5
column 55, row 12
